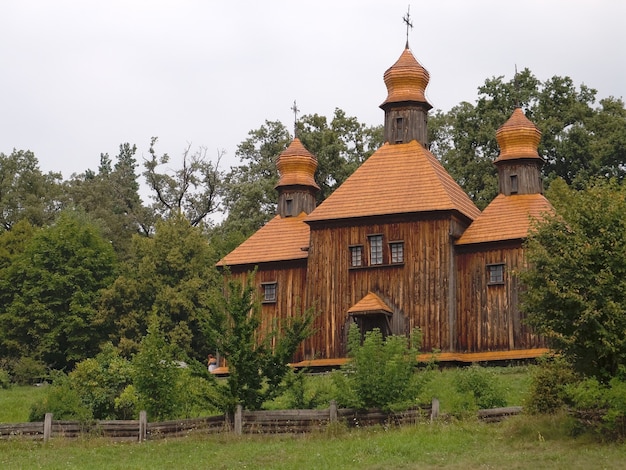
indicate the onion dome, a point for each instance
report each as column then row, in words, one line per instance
column 296, row 166
column 406, row 80
column 518, row 138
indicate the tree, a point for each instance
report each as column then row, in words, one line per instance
column 111, row 197
column 172, row 275
column 25, row 192
column 579, row 141
column 193, row 190
column 50, row 291
column 576, row 280
column 255, row 367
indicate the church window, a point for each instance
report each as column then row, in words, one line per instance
column 495, row 273
column 376, row 249
column 397, row 252
column 288, row 207
column 399, row 130
column 269, row 292
column 356, row 256
column 514, row 187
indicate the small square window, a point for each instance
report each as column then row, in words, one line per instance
column 269, row 292
column 495, row 273
column 397, row 252
column 356, row 256
column 376, row 249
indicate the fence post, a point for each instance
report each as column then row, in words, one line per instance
column 333, row 411
column 143, row 425
column 47, row 427
column 434, row 411
column 239, row 420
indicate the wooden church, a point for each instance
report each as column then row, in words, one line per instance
column 399, row 244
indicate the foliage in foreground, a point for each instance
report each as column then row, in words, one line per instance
column 381, row 372
column 576, row 281
column 257, row 360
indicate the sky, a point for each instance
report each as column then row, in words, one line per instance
column 80, row 77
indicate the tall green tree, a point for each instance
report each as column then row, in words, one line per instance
column 257, row 360
column 576, row 280
column 111, row 197
column 170, row 275
column 25, row 192
column 579, row 141
column 49, row 293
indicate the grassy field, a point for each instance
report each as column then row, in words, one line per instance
column 520, row 443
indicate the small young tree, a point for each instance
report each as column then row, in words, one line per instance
column 256, row 368
column 381, row 372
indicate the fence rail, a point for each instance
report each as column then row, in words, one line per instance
column 281, row 421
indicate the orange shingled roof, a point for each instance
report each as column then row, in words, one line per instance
column 518, row 138
column 281, row 239
column 396, row 179
column 506, row 218
column 406, row 80
column 370, row 303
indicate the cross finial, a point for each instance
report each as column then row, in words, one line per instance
column 409, row 24
column 516, row 85
column 295, row 110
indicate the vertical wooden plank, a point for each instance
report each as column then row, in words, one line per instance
column 239, row 420
column 143, row 425
column 47, row 427
column 333, row 411
column 434, row 413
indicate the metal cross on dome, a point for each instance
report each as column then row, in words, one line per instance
column 295, row 110
column 409, row 24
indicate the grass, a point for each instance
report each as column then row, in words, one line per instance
column 16, row 401
column 519, row 443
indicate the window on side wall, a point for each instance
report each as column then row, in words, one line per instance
column 495, row 274
column 269, row 292
column 356, row 256
column 376, row 249
column 397, row 252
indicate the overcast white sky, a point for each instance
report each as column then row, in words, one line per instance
column 79, row 77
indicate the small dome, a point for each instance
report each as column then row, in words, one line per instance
column 518, row 138
column 406, row 80
column 297, row 166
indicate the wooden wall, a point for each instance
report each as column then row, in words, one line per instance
column 290, row 286
column 488, row 317
column 418, row 290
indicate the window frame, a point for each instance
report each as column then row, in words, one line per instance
column 495, row 280
column 353, row 249
column 376, row 249
column 396, row 244
column 268, row 287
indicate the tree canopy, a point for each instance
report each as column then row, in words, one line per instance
column 580, row 140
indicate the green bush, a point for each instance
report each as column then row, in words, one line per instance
column 28, row 371
column 381, row 372
column 5, row 379
column 548, row 387
column 480, row 387
column 304, row 391
column 62, row 401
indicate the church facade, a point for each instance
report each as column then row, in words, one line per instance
column 399, row 245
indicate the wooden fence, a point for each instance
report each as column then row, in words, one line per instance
column 242, row 422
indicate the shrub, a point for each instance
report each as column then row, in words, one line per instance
column 548, row 387
column 5, row 379
column 62, row 401
column 28, row 371
column 304, row 393
column 381, row 373
column 480, row 387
